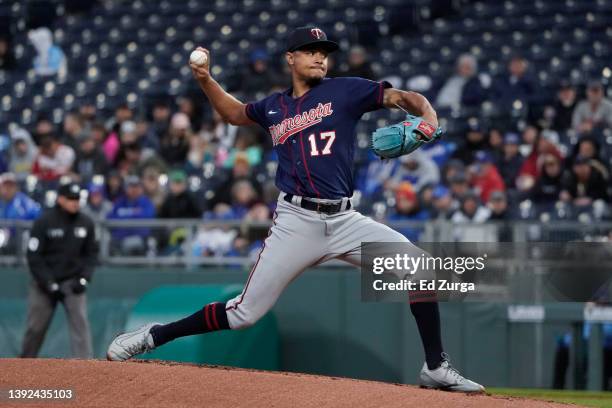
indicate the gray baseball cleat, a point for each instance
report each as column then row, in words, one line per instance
column 129, row 344
column 447, row 378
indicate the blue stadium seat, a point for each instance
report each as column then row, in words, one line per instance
column 485, row 11
column 125, row 41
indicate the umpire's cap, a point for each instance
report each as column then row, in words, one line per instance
column 309, row 35
column 72, row 191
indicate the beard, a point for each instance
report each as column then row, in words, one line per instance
column 313, row 81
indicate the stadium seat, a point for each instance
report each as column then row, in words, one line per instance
column 140, row 47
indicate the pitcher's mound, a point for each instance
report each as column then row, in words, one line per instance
column 155, row 384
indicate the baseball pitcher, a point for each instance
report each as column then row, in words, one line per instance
column 312, row 126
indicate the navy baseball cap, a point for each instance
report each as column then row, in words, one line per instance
column 512, row 138
column 482, row 156
column 95, row 188
column 305, row 36
column 259, row 55
column 440, row 191
column 71, row 191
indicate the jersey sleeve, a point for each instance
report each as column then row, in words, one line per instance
column 365, row 95
column 256, row 111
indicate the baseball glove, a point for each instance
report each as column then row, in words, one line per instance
column 404, row 137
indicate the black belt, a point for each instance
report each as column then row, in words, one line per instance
column 326, row 208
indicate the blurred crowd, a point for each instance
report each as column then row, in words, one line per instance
column 549, row 162
column 176, row 158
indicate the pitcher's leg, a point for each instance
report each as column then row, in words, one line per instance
column 283, row 258
column 289, row 249
column 40, row 312
column 423, row 304
column 211, row 317
column 274, row 270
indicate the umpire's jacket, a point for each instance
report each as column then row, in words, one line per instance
column 61, row 246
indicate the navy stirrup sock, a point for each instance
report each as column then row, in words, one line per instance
column 211, row 317
column 427, row 316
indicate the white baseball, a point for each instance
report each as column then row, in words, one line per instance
column 198, row 57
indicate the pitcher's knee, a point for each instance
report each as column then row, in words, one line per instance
column 241, row 317
column 396, row 236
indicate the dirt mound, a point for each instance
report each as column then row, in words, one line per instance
column 154, row 384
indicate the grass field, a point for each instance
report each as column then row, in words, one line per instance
column 584, row 398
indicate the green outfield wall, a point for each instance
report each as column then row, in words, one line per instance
column 325, row 328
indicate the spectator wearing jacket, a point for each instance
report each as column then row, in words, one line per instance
column 501, row 214
column 73, row 130
column 22, row 155
column 408, row 208
column 516, row 85
column 530, row 169
column 563, row 107
column 174, row 146
column 510, row 162
column 179, row 203
column 475, row 140
column 595, row 112
column 258, row 77
column 133, row 205
column 54, row 159
column 357, row 64
column 50, row 59
column 549, row 185
column 90, row 160
column 462, row 89
column 583, row 184
column 590, row 148
column 417, row 168
column 443, row 205
column 15, row 205
column 471, row 210
column 98, row 207
column 484, row 176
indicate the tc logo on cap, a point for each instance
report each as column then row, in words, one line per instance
column 317, row 33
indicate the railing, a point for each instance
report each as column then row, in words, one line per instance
column 196, row 242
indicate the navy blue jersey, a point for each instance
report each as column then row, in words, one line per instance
column 314, row 135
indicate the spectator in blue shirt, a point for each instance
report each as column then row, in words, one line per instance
column 15, row 205
column 50, row 59
column 442, row 202
column 417, row 168
column 244, row 196
column 133, row 205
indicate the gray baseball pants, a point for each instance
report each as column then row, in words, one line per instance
column 40, row 313
column 299, row 239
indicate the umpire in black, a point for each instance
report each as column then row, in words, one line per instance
column 61, row 256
